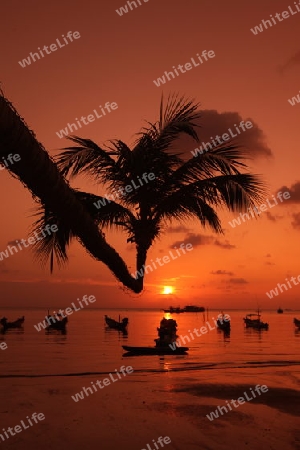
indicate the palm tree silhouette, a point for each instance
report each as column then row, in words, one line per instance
column 182, row 189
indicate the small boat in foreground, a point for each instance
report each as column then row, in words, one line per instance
column 10, row 325
column 121, row 325
column 165, row 343
column 155, row 350
column 253, row 321
column 297, row 322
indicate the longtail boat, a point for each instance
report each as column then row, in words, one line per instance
column 121, row 325
column 165, row 343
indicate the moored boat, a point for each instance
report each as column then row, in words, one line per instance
column 10, row 325
column 121, row 325
column 253, row 321
column 297, row 322
column 56, row 322
column 173, row 310
column 193, row 308
column 223, row 323
column 279, row 310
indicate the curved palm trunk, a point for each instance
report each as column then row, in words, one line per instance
column 143, row 238
column 141, row 256
column 40, row 175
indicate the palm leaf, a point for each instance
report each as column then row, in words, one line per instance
column 109, row 215
column 183, row 206
column 86, row 157
column 53, row 246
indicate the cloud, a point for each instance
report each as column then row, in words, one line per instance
column 234, row 282
column 296, row 220
column 214, row 123
column 195, row 239
column 268, row 263
column 221, row 272
column 238, row 281
column 225, row 244
column 273, row 217
column 199, row 239
column 270, row 216
column 14, row 242
column 291, row 62
column 178, row 229
column 5, row 269
column 294, row 191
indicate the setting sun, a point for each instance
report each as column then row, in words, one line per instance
column 168, row 290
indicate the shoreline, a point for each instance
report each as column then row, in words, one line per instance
column 137, row 410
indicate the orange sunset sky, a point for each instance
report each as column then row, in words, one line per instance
column 116, row 59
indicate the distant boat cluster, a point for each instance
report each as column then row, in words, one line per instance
column 166, row 331
column 189, row 308
column 56, row 322
column 166, row 343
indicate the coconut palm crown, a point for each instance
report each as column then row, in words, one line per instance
column 181, row 190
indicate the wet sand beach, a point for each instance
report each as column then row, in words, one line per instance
column 132, row 412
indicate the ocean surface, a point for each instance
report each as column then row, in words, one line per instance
column 89, row 347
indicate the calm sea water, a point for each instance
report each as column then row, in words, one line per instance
column 89, row 347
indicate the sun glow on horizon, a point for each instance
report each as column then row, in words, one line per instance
column 167, row 290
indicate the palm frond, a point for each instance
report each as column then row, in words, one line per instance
column 53, row 247
column 226, row 160
column 106, row 213
column 86, row 157
column 186, row 207
column 178, row 117
column 237, row 192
